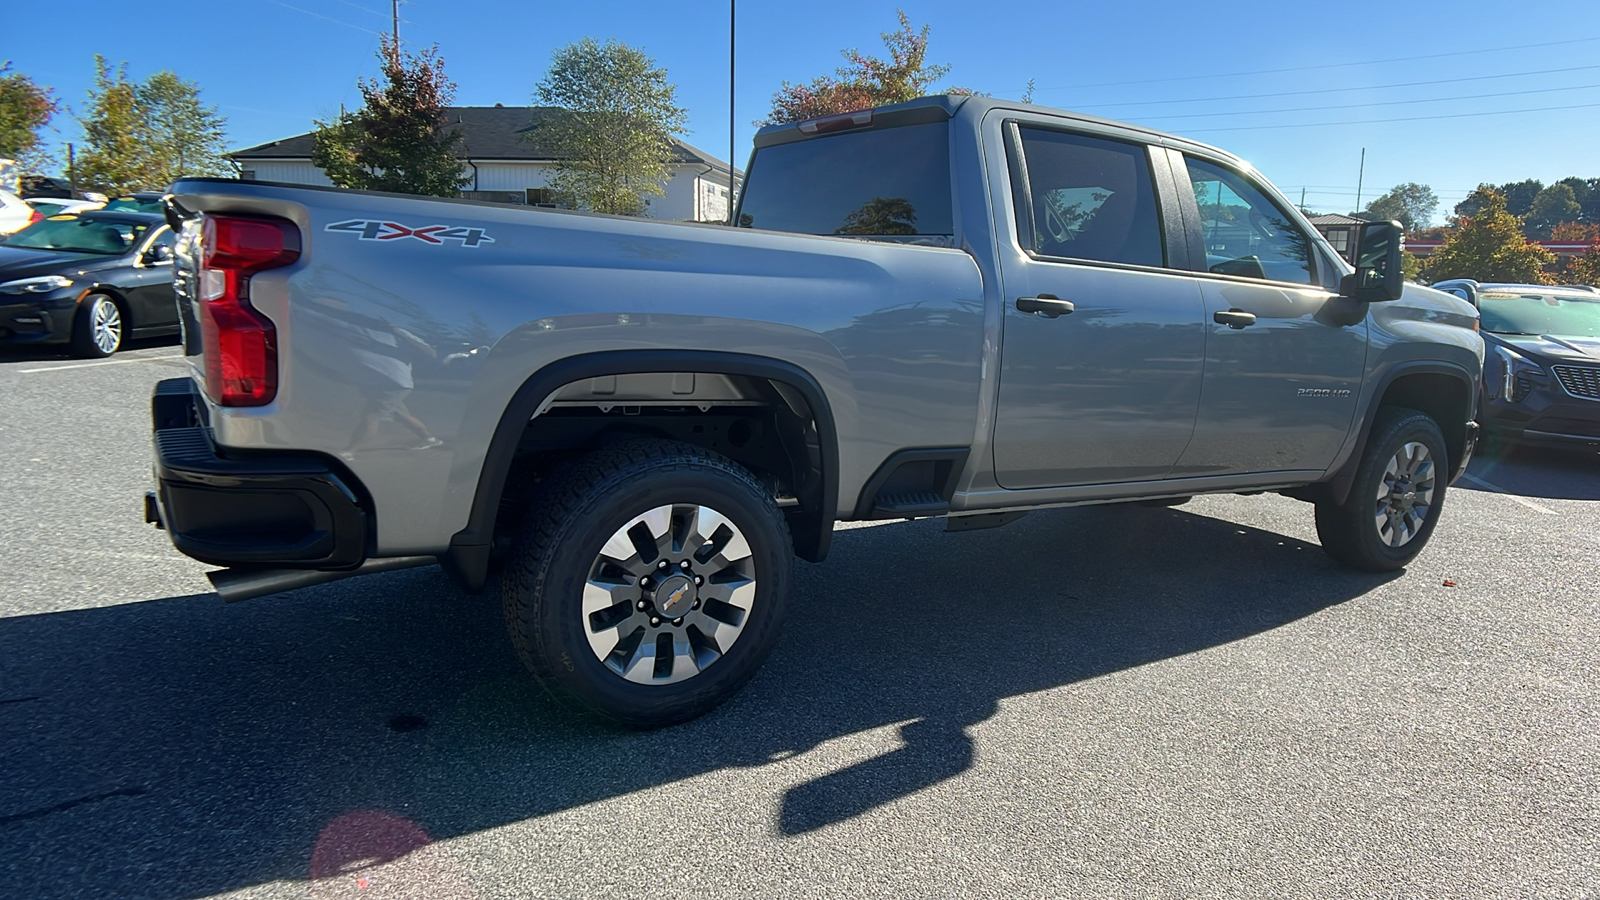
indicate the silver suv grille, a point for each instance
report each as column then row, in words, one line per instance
column 1580, row 381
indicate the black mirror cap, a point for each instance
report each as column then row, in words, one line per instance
column 158, row 253
column 1378, row 276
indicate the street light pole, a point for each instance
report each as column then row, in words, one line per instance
column 732, row 8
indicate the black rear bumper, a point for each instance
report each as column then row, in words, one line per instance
column 227, row 508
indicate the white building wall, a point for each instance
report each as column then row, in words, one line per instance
column 286, row 170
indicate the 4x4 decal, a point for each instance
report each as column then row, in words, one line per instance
column 381, row 230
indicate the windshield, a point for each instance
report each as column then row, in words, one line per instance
column 887, row 184
column 1562, row 315
column 75, row 234
column 134, row 204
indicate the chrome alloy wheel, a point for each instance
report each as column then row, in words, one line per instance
column 669, row 594
column 1405, row 494
column 105, row 325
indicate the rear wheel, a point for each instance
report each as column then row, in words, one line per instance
column 649, row 582
column 1396, row 498
column 97, row 329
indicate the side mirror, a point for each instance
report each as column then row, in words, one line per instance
column 1378, row 275
column 160, row 253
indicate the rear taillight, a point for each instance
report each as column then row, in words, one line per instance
column 240, row 344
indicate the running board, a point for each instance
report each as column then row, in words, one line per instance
column 233, row 585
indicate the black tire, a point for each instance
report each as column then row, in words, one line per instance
column 1351, row 532
column 573, row 516
column 94, row 310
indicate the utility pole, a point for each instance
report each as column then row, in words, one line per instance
column 394, row 10
column 72, row 165
column 1302, row 199
column 1361, row 178
column 732, row 9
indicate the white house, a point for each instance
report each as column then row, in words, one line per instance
column 501, row 154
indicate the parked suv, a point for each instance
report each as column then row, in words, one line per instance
column 1541, row 366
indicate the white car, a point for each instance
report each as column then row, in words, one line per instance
column 15, row 215
column 54, row 206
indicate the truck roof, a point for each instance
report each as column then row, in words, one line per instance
column 950, row 104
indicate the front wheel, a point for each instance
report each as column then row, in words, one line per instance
column 649, row 582
column 1396, row 498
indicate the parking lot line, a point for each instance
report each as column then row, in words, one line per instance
column 104, row 362
column 1508, row 495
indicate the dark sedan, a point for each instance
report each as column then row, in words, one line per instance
column 1541, row 368
column 90, row 280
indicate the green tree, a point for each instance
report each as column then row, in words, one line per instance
column 400, row 139
column 115, row 157
column 1555, row 204
column 146, row 135
column 866, row 81
column 25, row 110
column 1490, row 246
column 1410, row 204
column 1410, row 265
column 612, row 129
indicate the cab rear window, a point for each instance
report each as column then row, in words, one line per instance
column 889, row 184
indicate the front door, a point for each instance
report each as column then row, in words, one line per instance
column 1106, row 392
column 1285, row 356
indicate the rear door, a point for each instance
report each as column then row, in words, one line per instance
column 1106, row 392
column 148, row 283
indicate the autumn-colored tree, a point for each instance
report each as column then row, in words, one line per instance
column 1489, row 246
column 612, row 129
column 25, row 109
column 1575, row 232
column 865, row 81
column 1585, row 269
column 400, row 140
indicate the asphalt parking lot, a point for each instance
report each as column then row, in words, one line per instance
column 1102, row 702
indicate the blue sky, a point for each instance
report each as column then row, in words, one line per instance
column 274, row 65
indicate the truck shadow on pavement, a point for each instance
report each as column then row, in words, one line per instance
column 183, row 747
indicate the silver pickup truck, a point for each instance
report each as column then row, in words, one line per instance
column 955, row 307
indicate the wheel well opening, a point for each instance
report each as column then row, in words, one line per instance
column 762, row 424
column 1444, row 398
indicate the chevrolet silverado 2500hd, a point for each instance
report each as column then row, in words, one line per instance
column 956, row 307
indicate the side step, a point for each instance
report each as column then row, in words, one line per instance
column 233, row 585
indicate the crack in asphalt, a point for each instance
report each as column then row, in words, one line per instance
column 69, row 804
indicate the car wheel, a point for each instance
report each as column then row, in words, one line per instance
column 1396, row 498
column 98, row 327
column 649, row 582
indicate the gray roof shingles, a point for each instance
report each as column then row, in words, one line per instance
column 488, row 132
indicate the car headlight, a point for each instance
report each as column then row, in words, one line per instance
column 43, row 284
column 1514, row 383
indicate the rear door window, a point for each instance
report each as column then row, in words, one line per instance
column 884, row 184
column 1087, row 198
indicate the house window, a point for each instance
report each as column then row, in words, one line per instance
column 247, row 174
column 540, row 197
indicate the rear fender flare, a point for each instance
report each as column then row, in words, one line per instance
column 467, row 558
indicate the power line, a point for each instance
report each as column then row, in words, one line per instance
column 328, row 18
column 1375, row 87
column 1503, row 112
column 1371, row 62
column 1254, row 112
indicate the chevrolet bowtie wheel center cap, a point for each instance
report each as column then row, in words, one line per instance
column 675, row 596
